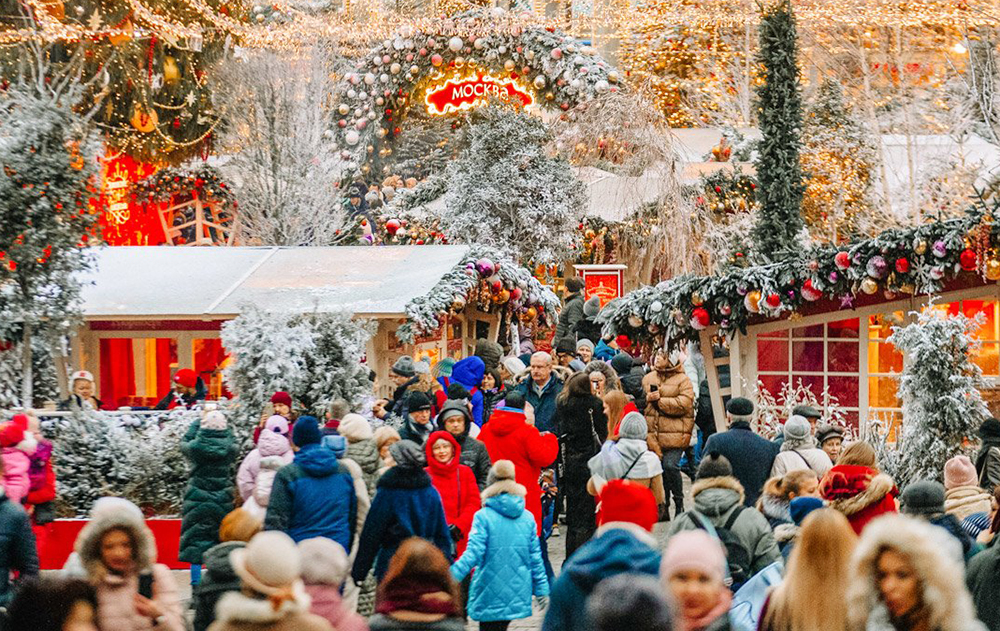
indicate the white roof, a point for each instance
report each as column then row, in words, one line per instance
column 164, row 282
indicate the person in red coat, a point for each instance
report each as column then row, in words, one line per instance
column 857, row 489
column 509, row 436
column 455, row 483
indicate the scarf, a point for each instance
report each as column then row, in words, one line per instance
column 412, row 594
column 721, row 609
column 616, row 458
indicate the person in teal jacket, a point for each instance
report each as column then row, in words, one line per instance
column 505, row 551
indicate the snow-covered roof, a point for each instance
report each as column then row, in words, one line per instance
column 164, row 282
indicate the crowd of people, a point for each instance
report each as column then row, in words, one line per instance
column 440, row 504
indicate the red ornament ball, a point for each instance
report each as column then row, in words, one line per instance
column 809, row 291
column 902, row 265
column 773, row 301
column 392, row 226
column 843, row 260
column 700, row 318
column 968, row 260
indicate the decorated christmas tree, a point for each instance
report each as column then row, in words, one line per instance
column 779, row 172
column 46, row 218
column 939, row 387
column 504, row 191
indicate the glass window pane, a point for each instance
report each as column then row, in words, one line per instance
column 851, row 419
column 209, row 356
column 987, row 359
column 813, row 382
column 882, row 392
column 843, row 329
column 842, row 357
column 815, row 330
column 772, row 355
column 845, row 389
column 773, row 383
column 884, row 358
column 972, row 308
column 807, row 356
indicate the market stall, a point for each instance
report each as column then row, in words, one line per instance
column 151, row 310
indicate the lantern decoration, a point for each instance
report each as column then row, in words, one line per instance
column 968, row 260
column 843, row 260
column 752, row 301
column 877, row 267
column 869, row 286
column 902, row 265
column 809, row 292
column 700, row 318
column 993, row 268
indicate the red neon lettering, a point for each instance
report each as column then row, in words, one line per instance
column 466, row 93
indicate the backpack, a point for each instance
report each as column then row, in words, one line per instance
column 737, row 556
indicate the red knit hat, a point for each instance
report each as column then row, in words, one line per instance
column 21, row 420
column 282, row 397
column 10, row 434
column 623, row 342
column 186, row 377
column 622, row 500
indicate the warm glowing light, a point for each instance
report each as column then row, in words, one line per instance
column 457, row 95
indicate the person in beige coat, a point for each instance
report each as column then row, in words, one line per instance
column 963, row 496
column 799, row 451
column 273, row 596
column 669, row 420
column 118, row 554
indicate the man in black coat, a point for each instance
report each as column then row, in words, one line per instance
column 572, row 311
column 630, row 376
column 750, row 455
column 17, row 547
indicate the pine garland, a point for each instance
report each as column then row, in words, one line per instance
column 780, row 110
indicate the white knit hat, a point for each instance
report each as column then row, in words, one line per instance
column 513, row 365
column 324, row 561
column 355, row 427
column 214, row 420
column 269, row 564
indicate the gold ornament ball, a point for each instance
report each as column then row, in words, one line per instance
column 920, row 248
column 589, row 233
column 869, row 286
column 549, row 96
column 753, row 301
column 697, row 300
column 993, row 269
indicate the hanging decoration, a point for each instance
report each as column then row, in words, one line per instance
column 190, row 206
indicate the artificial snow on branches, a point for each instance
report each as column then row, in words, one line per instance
column 939, row 387
column 504, row 191
column 458, row 285
column 314, row 357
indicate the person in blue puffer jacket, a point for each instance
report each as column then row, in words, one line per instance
column 505, row 551
column 469, row 372
column 315, row 495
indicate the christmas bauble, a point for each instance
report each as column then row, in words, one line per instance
column 392, row 226
column 773, row 301
column 556, row 53
column 516, row 293
column 436, row 60
column 531, row 313
column 902, row 265
column 502, row 297
column 656, row 306
column 634, row 321
column 485, row 267
column 809, row 291
column 369, row 79
column 725, row 310
column 993, row 269
column 696, row 299
column 455, row 44
column 509, row 65
column 700, row 318
column 752, row 301
column 937, row 272
column 144, row 121
column 352, row 137
column 968, row 260
column 171, row 73
column 869, row 286
column 939, row 249
column 842, row 260
column 877, row 267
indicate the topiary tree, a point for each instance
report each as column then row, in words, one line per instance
column 779, row 105
column 939, row 387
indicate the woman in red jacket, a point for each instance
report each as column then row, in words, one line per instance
column 856, row 488
column 455, row 483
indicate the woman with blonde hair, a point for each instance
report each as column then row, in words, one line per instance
column 908, row 575
column 819, row 564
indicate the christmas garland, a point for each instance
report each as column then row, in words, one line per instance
column 166, row 183
column 897, row 262
column 490, row 278
column 375, row 97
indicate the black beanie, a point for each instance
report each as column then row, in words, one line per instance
column 714, row 466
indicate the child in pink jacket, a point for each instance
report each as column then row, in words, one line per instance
column 324, row 569
column 17, row 445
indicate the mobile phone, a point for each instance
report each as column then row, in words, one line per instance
column 654, row 388
column 146, row 584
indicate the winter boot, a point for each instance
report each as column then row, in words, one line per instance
column 663, row 513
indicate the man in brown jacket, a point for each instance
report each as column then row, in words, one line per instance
column 670, row 420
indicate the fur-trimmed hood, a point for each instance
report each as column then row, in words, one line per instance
column 504, row 486
column 235, row 607
column 88, row 542
column 774, row 507
column 851, row 489
column 715, row 496
column 784, row 533
column 963, row 501
column 937, row 558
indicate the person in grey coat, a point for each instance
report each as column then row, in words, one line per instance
column 572, row 311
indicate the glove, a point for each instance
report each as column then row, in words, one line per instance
column 542, row 602
column 456, row 532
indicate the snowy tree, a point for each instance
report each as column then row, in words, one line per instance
column 840, row 158
column 284, row 168
column 939, row 387
column 92, row 455
column 504, row 191
column 315, row 358
column 268, row 355
column 47, row 151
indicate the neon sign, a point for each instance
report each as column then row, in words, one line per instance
column 463, row 94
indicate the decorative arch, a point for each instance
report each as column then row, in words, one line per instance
column 482, row 53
